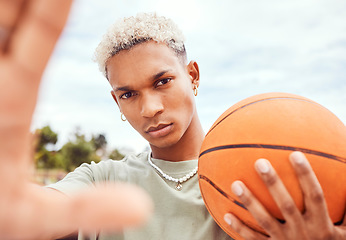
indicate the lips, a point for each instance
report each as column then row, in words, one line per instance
column 160, row 130
column 152, row 129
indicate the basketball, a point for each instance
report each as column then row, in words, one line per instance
column 271, row 126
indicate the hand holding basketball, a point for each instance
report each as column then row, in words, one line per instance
column 314, row 223
column 271, row 126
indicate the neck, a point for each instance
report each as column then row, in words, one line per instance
column 187, row 148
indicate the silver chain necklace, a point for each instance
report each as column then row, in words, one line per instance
column 179, row 181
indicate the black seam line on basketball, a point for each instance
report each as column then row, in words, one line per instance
column 223, row 193
column 272, row 98
column 253, row 228
column 234, row 201
column 339, row 223
column 279, row 147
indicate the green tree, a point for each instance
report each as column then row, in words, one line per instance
column 45, row 136
column 44, row 158
column 49, row 159
column 78, row 151
column 72, row 154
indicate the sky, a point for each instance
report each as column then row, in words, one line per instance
column 243, row 48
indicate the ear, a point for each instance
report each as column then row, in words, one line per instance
column 193, row 71
column 115, row 98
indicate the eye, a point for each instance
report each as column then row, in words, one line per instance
column 163, row 82
column 127, row 95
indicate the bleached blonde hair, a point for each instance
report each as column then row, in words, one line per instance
column 130, row 31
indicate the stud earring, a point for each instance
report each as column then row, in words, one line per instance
column 122, row 116
column 195, row 90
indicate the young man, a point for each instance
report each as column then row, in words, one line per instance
column 154, row 87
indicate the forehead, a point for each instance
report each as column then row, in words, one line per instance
column 141, row 62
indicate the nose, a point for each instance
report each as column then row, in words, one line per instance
column 151, row 105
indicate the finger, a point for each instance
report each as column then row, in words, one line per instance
column 257, row 210
column 242, row 229
column 20, row 72
column 9, row 14
column 279, row 193
column 316, row 207
column 34, row 39
column 9, row 11
column 19, row 79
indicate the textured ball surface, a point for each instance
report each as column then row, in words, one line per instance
column 271, row 126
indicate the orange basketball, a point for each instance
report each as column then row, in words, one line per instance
column 271, row 126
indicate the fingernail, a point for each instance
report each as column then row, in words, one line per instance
column 262, row 165
column 298, row 157
column 227, row 218
column 237, row 189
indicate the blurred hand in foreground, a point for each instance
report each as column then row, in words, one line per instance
column 29, row 30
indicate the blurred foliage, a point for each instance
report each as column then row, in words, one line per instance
column 99, row 141
column 49, row 159
column 116, row 155
column 43, row 157
column 73, row 153
column 45, row 136
column 78, row 151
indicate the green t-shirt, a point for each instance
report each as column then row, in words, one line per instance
column 178, row 215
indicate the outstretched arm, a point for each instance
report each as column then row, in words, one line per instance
column 29, row 30
column 314, row 223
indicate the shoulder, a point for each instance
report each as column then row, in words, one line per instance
column 118, row 169
column 130, row 160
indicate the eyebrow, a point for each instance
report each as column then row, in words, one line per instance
column 125, row 89
column 153, row 78
column 160, row 74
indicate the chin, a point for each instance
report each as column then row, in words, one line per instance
column 164, row 142
column 161, row 144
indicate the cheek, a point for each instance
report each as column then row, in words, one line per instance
column 183, row 99
column 132, row 116
column 136, row 123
